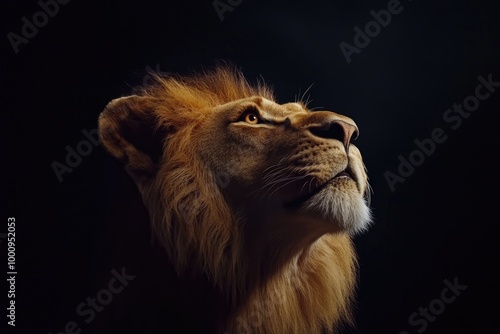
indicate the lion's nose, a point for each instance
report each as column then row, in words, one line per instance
column 336, row 129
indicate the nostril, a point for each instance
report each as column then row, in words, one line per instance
column 329, row 131
column 340, row 130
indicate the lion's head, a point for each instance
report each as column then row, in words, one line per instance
column 258, row 197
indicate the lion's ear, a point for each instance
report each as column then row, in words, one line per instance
column 129, row 130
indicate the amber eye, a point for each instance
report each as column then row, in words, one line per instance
column 252, row 118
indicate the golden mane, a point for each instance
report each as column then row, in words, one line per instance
column 188, row 94
column 296, row 291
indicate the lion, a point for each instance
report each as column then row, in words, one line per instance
column 258, row 198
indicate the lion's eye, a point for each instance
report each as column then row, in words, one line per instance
column 252, row 118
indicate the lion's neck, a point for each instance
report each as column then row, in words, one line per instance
column 274, row 243
column 310, row 294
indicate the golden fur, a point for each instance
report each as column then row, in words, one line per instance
column 242, row 191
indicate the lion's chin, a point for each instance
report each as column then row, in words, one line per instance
column 339, row 202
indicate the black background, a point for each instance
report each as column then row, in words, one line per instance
column 441, row 223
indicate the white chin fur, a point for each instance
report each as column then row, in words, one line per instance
column 346, row 208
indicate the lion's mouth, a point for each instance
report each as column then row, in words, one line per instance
column 345, row 174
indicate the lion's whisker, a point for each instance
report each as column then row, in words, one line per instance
column 302, row 189
column 284, row 185
column 276, row 184
column 270, row 185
